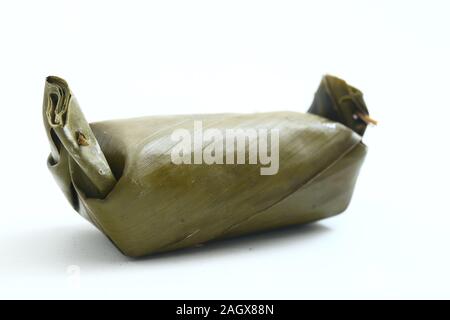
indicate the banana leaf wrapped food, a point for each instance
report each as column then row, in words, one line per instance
column 148, row 193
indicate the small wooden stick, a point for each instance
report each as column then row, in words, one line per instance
column 367, row 119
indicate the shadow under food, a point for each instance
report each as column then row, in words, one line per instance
column 54, row 249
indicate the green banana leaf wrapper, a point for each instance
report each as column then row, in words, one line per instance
column 119, row 174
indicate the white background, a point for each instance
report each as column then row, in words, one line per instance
column 136, row 58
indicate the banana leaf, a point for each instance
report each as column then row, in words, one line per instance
column 120, row 174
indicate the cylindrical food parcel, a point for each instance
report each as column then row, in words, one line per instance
column 160, row 183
